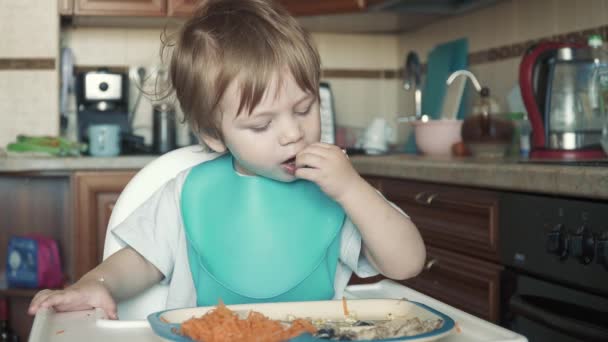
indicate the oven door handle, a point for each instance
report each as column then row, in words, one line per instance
column 574, row 327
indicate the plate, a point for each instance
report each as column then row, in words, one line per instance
column 166, row 323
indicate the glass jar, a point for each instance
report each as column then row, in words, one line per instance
column 485, row 132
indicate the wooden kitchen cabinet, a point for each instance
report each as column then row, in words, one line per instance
column 320, row 7
column 135, row 8
column 295, row 7
column 459, row 226
column 470, row 284
column 71, row 207
column 95, row 194
column 65, row 7
column 456, row 218
column 181, row 8
column 33, row 203
column 184, row 8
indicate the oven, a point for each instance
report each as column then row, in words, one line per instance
column 555, row 252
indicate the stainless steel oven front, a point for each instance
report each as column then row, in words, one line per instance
column 555, row 252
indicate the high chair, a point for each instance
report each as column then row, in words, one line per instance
column 141, row 187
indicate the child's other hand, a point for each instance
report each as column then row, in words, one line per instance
column 327, row 166
column 83, row 295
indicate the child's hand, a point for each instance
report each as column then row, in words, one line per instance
column 83, row 295
column 327, row 166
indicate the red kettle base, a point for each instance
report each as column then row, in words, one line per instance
column 568, row 154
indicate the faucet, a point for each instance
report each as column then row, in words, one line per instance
column 411, row 72
column 468, row 74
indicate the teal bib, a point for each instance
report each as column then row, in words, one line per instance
column 253, row 239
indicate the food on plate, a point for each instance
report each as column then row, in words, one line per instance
column 350, row 328
column 374, row 330
column 222, row 325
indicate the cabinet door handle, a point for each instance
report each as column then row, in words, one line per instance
column 430, row 264
column 429, row 200
column 418, row 197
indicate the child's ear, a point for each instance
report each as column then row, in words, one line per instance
column 214, row 143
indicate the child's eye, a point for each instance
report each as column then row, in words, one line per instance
column 260, row 128
column 306, row 111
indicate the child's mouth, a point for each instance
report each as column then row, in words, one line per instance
column 290, row 166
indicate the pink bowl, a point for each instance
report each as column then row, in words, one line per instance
column 436, row 137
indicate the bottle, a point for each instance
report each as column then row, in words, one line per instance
column 6, row 334
column 525, row 129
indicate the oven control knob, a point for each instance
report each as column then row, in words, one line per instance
column 602, row 249
column 558, row 241
column 582, row 245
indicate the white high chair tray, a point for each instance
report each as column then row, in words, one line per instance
column 91, row 325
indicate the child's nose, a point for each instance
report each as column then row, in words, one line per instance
column 292, row 132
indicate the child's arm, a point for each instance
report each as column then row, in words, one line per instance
column 392, row 242
column 124, row 274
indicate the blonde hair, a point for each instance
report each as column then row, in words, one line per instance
column 246, row 40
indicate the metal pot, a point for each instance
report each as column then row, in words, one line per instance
column 163, row 128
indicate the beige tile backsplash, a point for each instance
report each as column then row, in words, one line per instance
column 357, row 100
column 508, row 22
column 29, row 28
column 343, row 51
column 28, row 98
column 28, row 103
column 34, row 33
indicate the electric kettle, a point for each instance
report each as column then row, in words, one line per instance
column 556, row 87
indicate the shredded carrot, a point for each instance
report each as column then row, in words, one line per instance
column 222, row 324
column 344, row 306
column 458, row 330
column 59, row 332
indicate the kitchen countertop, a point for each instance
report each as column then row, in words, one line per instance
column 34, row 164
column 555, row 179
column 576, row 181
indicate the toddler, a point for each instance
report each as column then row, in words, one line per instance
column 277, row 215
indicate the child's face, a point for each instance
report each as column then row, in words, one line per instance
column 265, row 143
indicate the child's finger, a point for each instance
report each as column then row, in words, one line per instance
column 308, row 174
column 322, row 145
column 317, row 149
column 38, row 298
column 52, row 300
column 109, row 307
column 40, row 295
column 308, row 159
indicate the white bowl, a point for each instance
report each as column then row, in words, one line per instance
column 436, row 137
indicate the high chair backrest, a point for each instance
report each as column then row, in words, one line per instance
column 140, row 188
